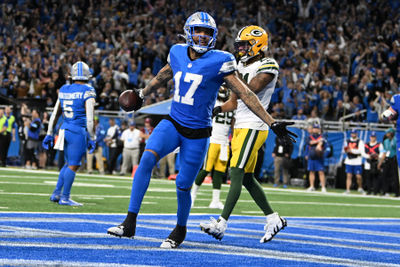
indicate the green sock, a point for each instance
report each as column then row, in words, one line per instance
column 234, row 192
column 217, row 179
column 257, row 193
column 200, row 177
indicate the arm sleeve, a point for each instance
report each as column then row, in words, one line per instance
column 89, row 104
column 364, row 154
column 53, row 117
column 360, row 148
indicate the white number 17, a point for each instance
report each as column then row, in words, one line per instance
column 189, row 77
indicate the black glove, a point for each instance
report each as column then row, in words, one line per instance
column 279, row 128
column 216, row 110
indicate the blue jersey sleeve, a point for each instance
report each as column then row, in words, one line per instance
column 395, row 103
column 89, row 93
column 228, row 64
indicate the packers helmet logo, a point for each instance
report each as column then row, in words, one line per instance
column 256, row 33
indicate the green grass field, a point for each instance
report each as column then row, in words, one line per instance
column 29, row 191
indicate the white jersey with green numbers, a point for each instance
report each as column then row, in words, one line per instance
column 220, row 126
column 244, row 117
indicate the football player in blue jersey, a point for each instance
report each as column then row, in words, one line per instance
column 198, row 71
column 76, row 104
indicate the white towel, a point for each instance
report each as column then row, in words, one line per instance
column 223, row 153
column 59, row 145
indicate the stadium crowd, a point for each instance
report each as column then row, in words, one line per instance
column 335, row 57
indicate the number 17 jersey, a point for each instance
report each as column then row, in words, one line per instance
column 196, row 84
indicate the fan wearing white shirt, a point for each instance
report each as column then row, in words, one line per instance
column 130, row 154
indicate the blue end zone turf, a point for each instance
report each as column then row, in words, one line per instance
column 81, row 239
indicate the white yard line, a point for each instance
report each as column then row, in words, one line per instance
column 21, row 262
column 278, row 191
column 196, row 247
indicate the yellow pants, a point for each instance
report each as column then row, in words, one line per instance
column 213, row 159
column 245, row 146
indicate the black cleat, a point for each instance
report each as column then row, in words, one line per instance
column 175, row 238
column 125, row 229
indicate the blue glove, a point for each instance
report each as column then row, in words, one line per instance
column 48, row 142
column 91, row 145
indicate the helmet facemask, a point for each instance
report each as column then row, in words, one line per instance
column 207, row 23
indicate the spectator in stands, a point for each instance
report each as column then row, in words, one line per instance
column 3, row 136
column 98, row 152
column 33, row 141
column 147, row 130
column 354, row 149
column 131, row 138
column 300, row 116
column 111, row 141
column 168, row 160
column 373, row 151
column 9, row 134
column 389, row 165
column 281, row 154
column 43, row 130
column 315, row 151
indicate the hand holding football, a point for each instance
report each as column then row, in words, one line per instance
column 130, row 100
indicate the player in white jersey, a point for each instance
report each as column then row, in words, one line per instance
column 261, row 73
column 217, row 153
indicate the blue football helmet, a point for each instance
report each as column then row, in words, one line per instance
column 80, row 71
column 204, row 20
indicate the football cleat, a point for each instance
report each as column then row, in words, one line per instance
column 216, row 205
column 215, row 228
column 55, row 197
column 68, row 202
column 122, row 231
column 175, row 238
column 275, row 223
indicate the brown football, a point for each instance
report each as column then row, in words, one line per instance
column 129, row 100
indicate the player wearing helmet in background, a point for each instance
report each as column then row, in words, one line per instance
column 217, row 153
column 198, row 71
column 250, row 133
column 76, row 104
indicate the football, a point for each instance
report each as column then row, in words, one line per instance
column 129, row 100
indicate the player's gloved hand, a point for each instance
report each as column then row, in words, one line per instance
column 91, row 146
column 216, row 110
column 279, row 128
column 48, row 142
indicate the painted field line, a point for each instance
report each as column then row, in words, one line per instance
column 199, row 199
column 278, row 191
column 21, row 262
column 207, row 249
column 4, row 208
column 336, row 204
column 193, row 223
